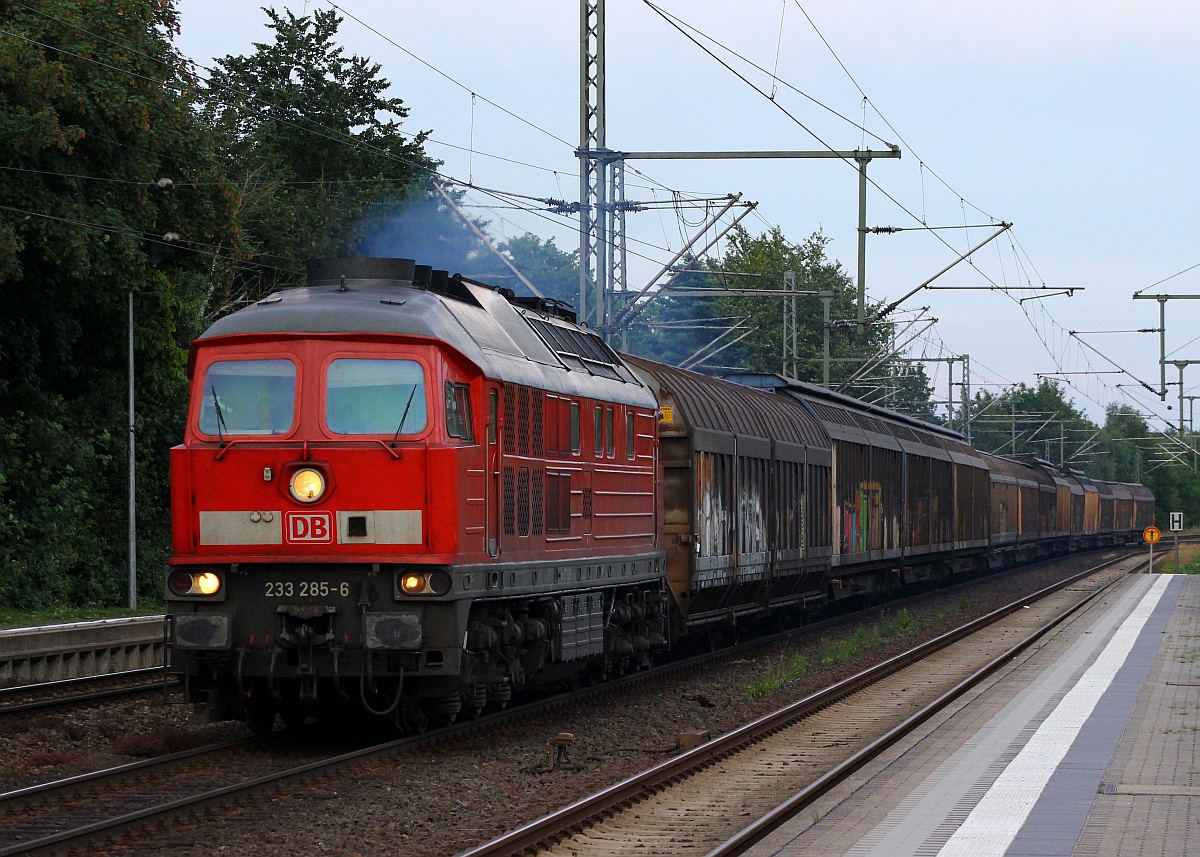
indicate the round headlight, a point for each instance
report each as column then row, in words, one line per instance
column 206, row 583
column 183, row 583
column 413, row 583
column 180, row 582
column 439, row 583
column 307, row 485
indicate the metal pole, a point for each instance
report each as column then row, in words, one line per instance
column 967, row 396
column 1177, row 553
column 1181, row 364
column 484, row 239
column 1162, row 347
column 862, row 242
column 593, row 269
column 132, row 474
column 950, row 393
column 826, row 300
column 791, row 342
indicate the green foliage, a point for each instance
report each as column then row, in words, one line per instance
column 93, row 111
column 783, row 671
column 317, row 150
column 788, row 668
column 16, row 618
column 554, row 272
column 1027, row 420
column 1046, row 424
column 678, row 330
column 1190, row 567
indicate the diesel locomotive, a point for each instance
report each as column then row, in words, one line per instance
column 410, row 494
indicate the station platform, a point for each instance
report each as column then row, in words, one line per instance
column 1087, row 744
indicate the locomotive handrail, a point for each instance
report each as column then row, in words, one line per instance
column 262, row 441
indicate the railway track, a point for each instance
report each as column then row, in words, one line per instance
column 55, row 817
column 722, row 797
column 74, row 691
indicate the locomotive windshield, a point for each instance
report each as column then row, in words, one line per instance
column 248, row 397
column 375, row 397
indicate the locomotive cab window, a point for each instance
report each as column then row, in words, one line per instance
column 458, row 412
column 375, row 397
column 248, row 397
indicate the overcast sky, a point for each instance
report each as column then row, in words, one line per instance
column 1073, row 120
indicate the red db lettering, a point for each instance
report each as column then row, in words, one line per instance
column 309, row 527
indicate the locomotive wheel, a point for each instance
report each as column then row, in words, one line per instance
column 293, row 716
column 260, row 714
column 412, row 718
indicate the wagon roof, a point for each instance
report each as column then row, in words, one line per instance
column 721, row 406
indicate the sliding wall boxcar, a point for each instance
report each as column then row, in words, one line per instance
column 746, row 478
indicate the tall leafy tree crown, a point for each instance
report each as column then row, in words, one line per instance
column 316, row 145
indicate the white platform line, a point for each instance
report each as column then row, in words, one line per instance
column 995, row 821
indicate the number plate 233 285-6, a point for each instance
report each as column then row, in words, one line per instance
column 305, row 588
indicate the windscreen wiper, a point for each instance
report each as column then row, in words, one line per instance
column 404, row 415
column 221, row 427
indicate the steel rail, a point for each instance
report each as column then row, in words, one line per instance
column 163, row 682
column 556, row 826
column 141, row 766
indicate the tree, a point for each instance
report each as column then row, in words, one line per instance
column 679, row 329
column 555, row 272
column 1039, row 421
column 94, row 110
column 317, row 150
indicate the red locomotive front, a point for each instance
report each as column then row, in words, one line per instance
column 407, row 497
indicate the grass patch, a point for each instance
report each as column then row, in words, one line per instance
column 782, row 670
column 1164, row 557
column 785, row 668
column 1168, row 567
column 10, row 618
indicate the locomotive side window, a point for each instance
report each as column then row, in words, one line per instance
column 553, row 439
column 629, row 448
column 248, row 397
column 458, row 412
column 375, row 397
column 609, row 440
column 598, row 433
column 575, row 427
column 493, row 417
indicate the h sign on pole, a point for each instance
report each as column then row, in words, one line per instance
column 1176, row 521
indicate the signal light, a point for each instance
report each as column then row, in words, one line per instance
column 417, row 582
column 201, row 583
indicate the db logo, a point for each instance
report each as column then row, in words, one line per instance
column 308, row 526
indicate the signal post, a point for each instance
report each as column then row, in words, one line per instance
column 1151, row 535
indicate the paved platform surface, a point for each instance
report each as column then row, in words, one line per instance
column 1088, row 744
